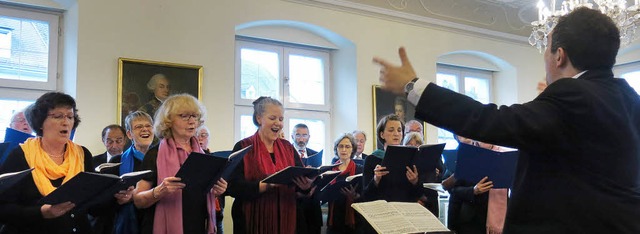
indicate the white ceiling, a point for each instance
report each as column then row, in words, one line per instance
column 505, row 19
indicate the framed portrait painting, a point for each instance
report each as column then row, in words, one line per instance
column 385, row 103
column 143, row 84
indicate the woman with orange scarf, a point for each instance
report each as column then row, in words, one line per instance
column 261, row 207
column 55, row 160
column 341, row 217
column 169, row 205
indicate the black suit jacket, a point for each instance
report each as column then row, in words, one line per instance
column 99, row 159
column 579, row 142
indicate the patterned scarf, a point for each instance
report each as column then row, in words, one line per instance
column 349, row 217
column 275, row 210
column 168, row 214
column 46, row 169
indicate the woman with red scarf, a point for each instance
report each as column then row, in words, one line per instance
column 261, row 207
column 169, row 206
column 341, row 217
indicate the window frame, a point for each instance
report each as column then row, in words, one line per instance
column 53, row 18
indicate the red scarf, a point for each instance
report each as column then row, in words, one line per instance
column 275, row 210
column 168, row 214
column 349, row 218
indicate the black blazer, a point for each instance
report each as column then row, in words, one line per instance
column 579, row 142
column 99, row 159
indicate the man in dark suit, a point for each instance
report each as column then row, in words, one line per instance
column 309, row 214
column 579, row 140
column 113, row 138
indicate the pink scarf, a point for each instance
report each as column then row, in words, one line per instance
column 168, row 214
column 497, row 210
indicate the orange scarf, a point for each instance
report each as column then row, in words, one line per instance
column 46, row 169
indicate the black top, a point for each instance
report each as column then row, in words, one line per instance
column 245, row 190
column 467, row 211
column 579, row 142
column 20, row 211
column 338, row 208
column 194, row 203
column 384, row 190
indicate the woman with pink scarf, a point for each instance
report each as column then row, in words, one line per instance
column 170, row 207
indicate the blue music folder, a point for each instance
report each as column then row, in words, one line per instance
column 12, row 135
column 474, row 163
column 313, row 160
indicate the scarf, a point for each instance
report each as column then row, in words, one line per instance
column 168, row 214
column 378, row 153
column 46, row 169
column 497, row 210
column 275, row 210
column 349, row 217
column 126, row 221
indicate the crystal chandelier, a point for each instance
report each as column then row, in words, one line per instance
column 625, row 18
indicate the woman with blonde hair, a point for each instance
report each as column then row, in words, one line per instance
column 170, row 206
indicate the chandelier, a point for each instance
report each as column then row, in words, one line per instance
column 625, row 18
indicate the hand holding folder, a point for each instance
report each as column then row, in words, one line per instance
column 88, row 188
column 313, row 160
column 286, row 175
column 474, row 163
column 202, row 171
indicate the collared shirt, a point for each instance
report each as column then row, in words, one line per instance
column 357, row 156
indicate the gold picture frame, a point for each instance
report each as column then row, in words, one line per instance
column 134, row 74
column 385, row 103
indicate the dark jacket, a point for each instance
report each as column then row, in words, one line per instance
column 579, row 142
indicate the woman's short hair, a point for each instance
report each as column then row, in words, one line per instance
column 412, row 136
column 174, row 105
column 351, row 139
column 128, row 121
column 38, row 112
column 383, row 123
column 260, row 106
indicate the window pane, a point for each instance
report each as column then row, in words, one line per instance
column 247, row 128
column 8, row 108
column 260, row 74
column 447, row 81
column 24, row 49
column 445, row 136
column 306, row 80
column 316, row 133
column 633, row 78
column 477, row 88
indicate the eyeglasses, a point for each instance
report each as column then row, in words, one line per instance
column 60, row 117
column 302, row 135
column 204, row 135
column 346, row 147
column 139, row 127
column 187, row 117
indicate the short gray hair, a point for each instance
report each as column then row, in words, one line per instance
column 413, row 136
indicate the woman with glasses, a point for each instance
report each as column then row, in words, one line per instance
column 55, row 160
column 260, row 207
column 139, row 129
column 170, row 207
column 341, row 217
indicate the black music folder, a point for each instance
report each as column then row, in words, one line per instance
column 85, row 187
column 286, row 175
column 425, row 157
column 202, row 171
column 8, row 180
column 332, row 192
column 313, row 160
column 474, row 163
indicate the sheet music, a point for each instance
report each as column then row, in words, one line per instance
column 434, row 186
column 421, row 218
column 398, row 217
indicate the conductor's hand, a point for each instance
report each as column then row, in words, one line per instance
column 169, row 185
column 378, row 173
column 483, row 186
column 412, row 175
column 393, row 78
column 55, row 211
column 303, row 183
column 219, row 188
column 124, row 196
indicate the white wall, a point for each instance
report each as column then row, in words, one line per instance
column 202, row 33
